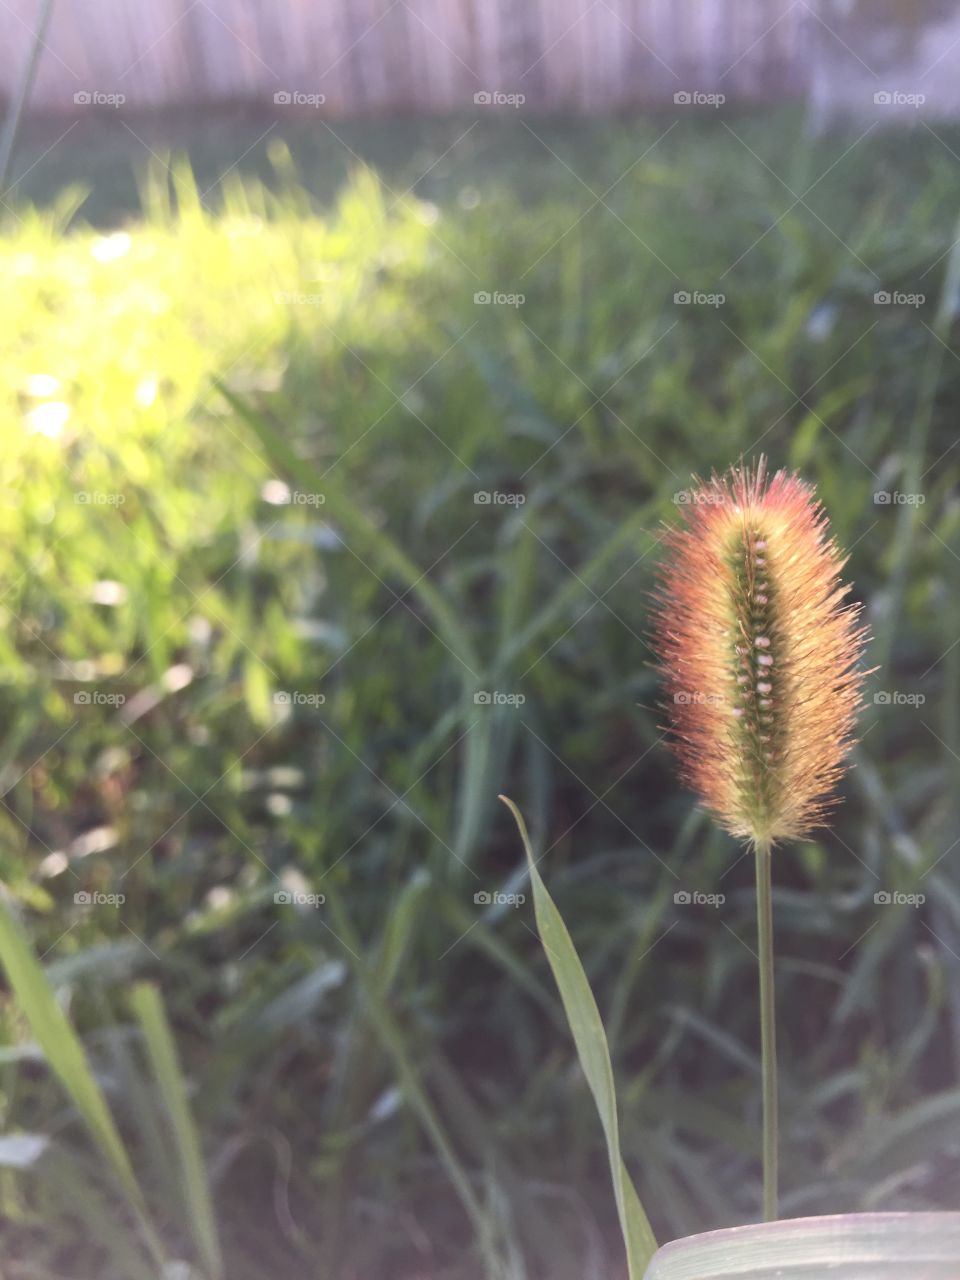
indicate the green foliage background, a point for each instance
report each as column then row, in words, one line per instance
column 384, row 1085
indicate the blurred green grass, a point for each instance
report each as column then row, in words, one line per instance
column 244, row 420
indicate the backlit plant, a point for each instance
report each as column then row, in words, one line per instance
column 759, row 649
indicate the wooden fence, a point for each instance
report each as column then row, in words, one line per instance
column 356, row 56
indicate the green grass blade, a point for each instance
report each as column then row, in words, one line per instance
column 390, row 557
column 63, row 1051
column 162, row 1053
column 579, row 583
column 591, row 1041
column 408, row 1075
column 400, row 931
column 71, row 1186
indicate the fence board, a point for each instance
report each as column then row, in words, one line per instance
column 387, row 55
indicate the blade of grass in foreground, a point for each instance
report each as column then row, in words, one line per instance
column 162, row 1053
column 591, row 1041
column 373, row 991
column 66, row 1057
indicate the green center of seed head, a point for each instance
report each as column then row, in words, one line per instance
column 758, row 720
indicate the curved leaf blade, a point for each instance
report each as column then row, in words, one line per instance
column 162, row 1053
column 591, row 1041
column 63, row 1051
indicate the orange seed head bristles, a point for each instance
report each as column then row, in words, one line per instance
column 759, row 652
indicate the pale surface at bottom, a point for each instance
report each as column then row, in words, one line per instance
column 859, row 1246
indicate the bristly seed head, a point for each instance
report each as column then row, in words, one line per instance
column 759, row 652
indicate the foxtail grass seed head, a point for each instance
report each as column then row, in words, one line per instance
column 758, row 651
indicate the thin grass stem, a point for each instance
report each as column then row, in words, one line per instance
column 768, row 1029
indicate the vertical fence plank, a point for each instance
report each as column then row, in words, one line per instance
column 381, row 55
